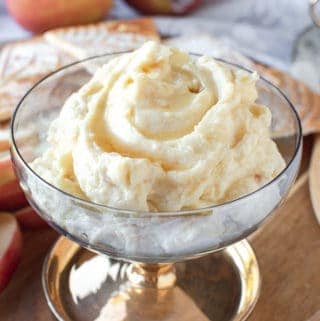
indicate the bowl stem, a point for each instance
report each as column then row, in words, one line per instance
column 158, row 276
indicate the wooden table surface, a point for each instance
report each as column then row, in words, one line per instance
column 287, row 247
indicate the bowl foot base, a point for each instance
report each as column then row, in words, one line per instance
column 81, row 286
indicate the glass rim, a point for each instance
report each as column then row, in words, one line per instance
column 13, row 145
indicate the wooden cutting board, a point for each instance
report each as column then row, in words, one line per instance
column 287, row 247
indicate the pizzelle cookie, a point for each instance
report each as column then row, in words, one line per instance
column 304, row 99
column 22, row 64
column 105, row 37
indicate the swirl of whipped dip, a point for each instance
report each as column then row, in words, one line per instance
column 157, row 130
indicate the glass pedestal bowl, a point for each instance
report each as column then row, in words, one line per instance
column 115, row 264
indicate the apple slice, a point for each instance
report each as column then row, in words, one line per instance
column 10, row 247
column 4, row 136
column 6, row 170
column 11, row 196
column 29, row 219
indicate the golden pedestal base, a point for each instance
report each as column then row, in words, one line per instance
column 81, row 285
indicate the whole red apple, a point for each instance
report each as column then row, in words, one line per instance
column 175, row 7
column 41, row 15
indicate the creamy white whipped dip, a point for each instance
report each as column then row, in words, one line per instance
column 158, row 130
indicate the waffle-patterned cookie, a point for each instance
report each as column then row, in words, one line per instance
column 306, row 101
column 22, row 64
column 105, row 37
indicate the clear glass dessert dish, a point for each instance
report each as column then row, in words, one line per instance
column 138, row 265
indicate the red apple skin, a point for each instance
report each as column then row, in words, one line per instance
column 41, row 15
column 6, row 171
column 11, row 196
column 29, row 219
column 164, row 7
column 10, row 258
